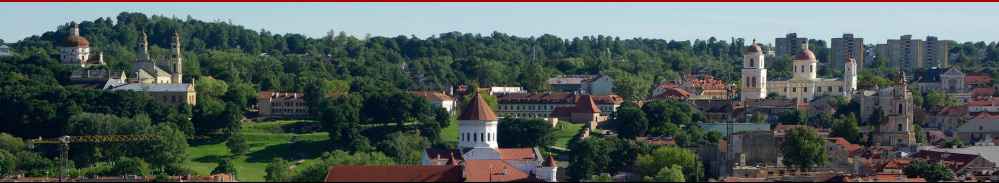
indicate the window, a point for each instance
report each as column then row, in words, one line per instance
column 899, row 127
column 900, row 109
column 811, row 68
column 804, row 89
column 793, row 89
column 752, row 63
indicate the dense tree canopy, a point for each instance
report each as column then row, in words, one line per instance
column 516, row 132
column 804, row 149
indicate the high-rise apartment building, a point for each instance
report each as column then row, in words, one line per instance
column 847, row 47
column 910, row 54
column 789, row 45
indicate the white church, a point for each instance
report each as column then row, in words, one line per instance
column 803, row 85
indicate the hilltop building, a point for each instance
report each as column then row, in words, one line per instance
column 91, row 71
column 589, row 84
column 803, row 86
column 282, row 105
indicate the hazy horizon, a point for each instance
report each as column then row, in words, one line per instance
column 875, row 22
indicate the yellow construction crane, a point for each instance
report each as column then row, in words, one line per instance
column 66, row 140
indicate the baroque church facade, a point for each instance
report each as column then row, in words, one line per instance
column 804, row 84
column 145, row 76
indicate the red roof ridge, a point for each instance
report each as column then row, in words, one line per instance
column 477, row 109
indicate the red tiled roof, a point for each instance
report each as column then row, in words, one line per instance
column 974, row 79
column 882, row 178
column 517, row 153
column 555, row 98
column 707, row 82
column 984, row 102
column 393, row 173
column 953, row 111
column 982, row 92
column 672, row 92
column 805, row 54
column 850, row 148
column 477, row 109
column 585, row 104
column 495, row 171
column 897, row 164
column 431, row 95
column 954, row 161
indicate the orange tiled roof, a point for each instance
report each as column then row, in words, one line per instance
column 393, row 173
column 517, row 153
column 982, row 92
column 585, row 104
column 984, row 102
column 477, row 110
column 973, row 79
column 494, row 171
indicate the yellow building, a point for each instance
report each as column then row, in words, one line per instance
column 166, row 93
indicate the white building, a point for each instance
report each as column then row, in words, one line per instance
column 477, row 143
column 804, row 85
column 4, row 50
column 506, row 89
column 437, row 99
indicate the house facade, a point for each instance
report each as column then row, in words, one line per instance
column 542, row 105
column 282, row 105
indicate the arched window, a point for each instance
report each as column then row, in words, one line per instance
column 900, row 109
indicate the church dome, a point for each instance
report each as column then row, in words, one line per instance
column 74, row 39
column 805, row 55
column 754, row 48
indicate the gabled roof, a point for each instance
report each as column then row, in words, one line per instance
column 477, row 109
column 953, row 161
column 495, row 171
column 976, row 78
column 585, row 104
column 393, row 173
column 431, row 95
column 982, row 92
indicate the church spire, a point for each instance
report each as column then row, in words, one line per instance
column 144, row 46
column 178, row 68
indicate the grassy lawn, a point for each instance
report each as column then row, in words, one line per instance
column 267, row 140
column 564, row 132
column 450, row 134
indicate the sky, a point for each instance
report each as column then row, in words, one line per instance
column 875, row 22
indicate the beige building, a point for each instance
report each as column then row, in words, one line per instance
column 282, row 104
column 167, row 93
column 847, row 47
column 895, row 104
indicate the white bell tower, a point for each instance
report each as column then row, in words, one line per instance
column 849, row 77
column 754, row 73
